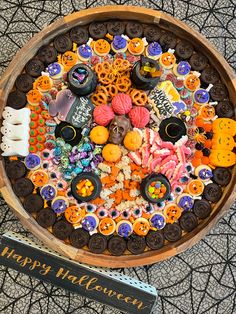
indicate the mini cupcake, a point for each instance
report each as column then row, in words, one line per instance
column 84, row 52
column 119, row 44
column 55, row 70
column 154, row 51
column 136, row 46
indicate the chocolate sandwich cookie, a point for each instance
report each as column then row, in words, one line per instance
column 62, row 229
column 33, row 203
column 172, row 232
column 79, row 238
column 136, row 244
column 184, row 49
column 16, row 100
column 221, row 176
column 23, row 187
column 115, row 27
column 212, row 192
column 46, row 217
column 198, row 62
column 134, row 29
column 34, row 67
column 97, row 30
column 225, row 109
column 154, row 240
column 152, row 33
column 116, row 245
column 209, row 75
column 97, row 243
column 62, row 43
column 168, row 40
column 219, row 92
column 202, row 208
column 188, row 221
column 15, row 169
column 47, row 54
column 24, row 82
column 79, row 35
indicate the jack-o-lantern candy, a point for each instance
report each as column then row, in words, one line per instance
column 167, row 60
column 68, row 60
column 43, row 83
column 222, row 158
column 101, row 47
column 172, row 212
column 207, row 112
column 192, row 82
column 224, row 125
column 34, row 97
column 223, row 141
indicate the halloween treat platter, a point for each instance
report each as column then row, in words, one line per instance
column 118, row 136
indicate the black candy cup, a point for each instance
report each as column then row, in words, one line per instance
column 69, row 133
column 94, row 179
column 140, row 81
column 85, row 88
column 148, row 180
column 172, row 129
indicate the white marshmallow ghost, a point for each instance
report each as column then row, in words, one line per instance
column 12, row 148
column 13, row 116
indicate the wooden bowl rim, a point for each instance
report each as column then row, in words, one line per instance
column 45, row 36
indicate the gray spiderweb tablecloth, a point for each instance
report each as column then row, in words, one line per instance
column 200, row 280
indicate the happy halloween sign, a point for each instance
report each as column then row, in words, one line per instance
column 102, row 285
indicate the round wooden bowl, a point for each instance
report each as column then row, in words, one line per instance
column 44, row 37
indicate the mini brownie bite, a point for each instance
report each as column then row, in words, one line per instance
column 219, row 92
column 184, row 49
column 152, row 33
column 33, row 203
column 16, row 99
column 24, row 82
column 210, row 75
column 134, row 29
column 225, row 109
column 47, row 54
column 79, row 35
column 198, row 61
column 34, row 67
column 97, row 30
column 115, row 27
column 168, row 40
column 62, row 43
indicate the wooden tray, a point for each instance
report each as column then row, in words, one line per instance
column 61, row 26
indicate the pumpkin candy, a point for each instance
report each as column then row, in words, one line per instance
column 111, row 152
column 222, row 158
column 224, row 125
column 99, row 135
column 133, row 140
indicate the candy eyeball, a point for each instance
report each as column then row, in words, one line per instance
column 178, row 190
column 62, row 185
column 149, row 209
column 114, row 213
column 184, row 179
column 46, row 164
column 189, row 168
column 46, row 154
column 102, row 213
column 160, row 205
column 90, row 208
column 137, row 212
column 125, row 214
column 170, row 198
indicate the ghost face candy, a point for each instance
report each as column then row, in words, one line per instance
column 118, row 128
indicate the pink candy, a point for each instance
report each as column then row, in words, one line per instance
column 121, row 103
column 103, row 115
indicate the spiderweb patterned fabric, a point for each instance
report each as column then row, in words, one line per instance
column 200, row 280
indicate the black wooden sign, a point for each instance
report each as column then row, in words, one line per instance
column 80, row 112
column 100, row 284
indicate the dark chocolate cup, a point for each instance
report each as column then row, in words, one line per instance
column 140, row 81
column 94, row 179
column 148, row 180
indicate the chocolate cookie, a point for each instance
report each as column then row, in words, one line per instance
column 198, row 61
column 212, row 192
column 188, row 221
column 79, row 35
column 225, row 109
column 134, row 29
column 33, row 203
column 219, row 92
column 23, row 187
column 24, row 82
column 15, row 169
column 210, row 75
column 34, row 67
column 116, row 245
column 47, row 54
column 46, row 217
column 152, row 33
column 136, row 244
column 97, row 243
column 167, row 40
column 115, row 27
column 202, row 208
column 79, row 238
column 62, row 43
column 16, row 100
column 62, row 229
column 97, row 30
column 221, row 176
column 184, row 49
column 172, row 232
column 155, row 240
